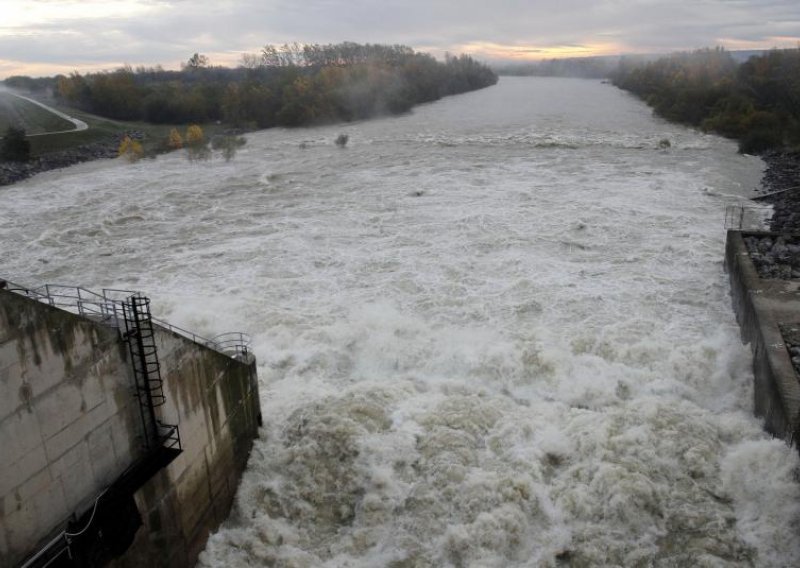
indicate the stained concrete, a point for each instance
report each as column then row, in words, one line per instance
column 761, row 305
column 68, row 421
column 215, row 400
column 70, row 425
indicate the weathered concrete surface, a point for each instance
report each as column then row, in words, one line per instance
column 215, row 400
column 70, row 424
column 760, row 306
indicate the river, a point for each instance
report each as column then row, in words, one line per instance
column 493, row 332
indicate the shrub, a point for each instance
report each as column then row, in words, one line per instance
column 175, row 139
column 130, row 149
column 229, row 144
column 15, row 146
column 763, row 131
column 196, row 144
column 757, row 141
column 195, row 136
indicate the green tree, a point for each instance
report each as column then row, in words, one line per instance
column 74, row 89
column 757, row 102
column 117, row 95
column 288, row 85
column 196, row 61
column 15, row 146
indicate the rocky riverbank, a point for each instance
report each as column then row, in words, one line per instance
column 775, row 257
column 783, row 175
column 11, row 172
column 227, row 141
column 779, row 256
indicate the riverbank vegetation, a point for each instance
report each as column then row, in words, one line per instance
column 756, row 102
column 290, row 85
column 14, row 146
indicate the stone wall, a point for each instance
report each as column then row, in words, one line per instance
column 70, row 425
column 761, row 305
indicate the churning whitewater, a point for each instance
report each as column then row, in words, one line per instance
column 493, row 332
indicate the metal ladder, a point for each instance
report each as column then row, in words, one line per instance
column 140, row 337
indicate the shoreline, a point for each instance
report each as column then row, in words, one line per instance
column 106, row 148
column 12, row 172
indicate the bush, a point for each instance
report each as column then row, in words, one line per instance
column 763, row 132
column 15, row 146
column 229, row 144
column 175, row 141
column 130, row 149
column 757, row 141
column 194, row 136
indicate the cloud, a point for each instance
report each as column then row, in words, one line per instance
column 93, row 32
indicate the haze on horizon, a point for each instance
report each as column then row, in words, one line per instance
column 46, row 37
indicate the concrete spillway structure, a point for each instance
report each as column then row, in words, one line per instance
column 80, row 477
column 762, row 306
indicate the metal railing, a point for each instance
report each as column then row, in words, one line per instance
column 233, row 342
column 106, row 308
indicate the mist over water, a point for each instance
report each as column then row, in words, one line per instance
column 494, row 332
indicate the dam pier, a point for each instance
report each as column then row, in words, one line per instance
column 123, row 437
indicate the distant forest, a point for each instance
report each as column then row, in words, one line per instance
column 751, row 96
column 289, row 85
column 756, row 102
column 600, row 67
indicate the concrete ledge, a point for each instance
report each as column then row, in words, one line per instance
column 761, row 305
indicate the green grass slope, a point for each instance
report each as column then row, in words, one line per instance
column 36, row 120
column 20, row 113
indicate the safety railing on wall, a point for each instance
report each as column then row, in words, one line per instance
column 233, row 343
column 748, row 217
column 107, row 308
column 129, row 312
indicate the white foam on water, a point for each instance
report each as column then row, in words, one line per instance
column 495, row 332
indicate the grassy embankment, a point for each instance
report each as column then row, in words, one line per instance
column 20, row 113
column 36, row 120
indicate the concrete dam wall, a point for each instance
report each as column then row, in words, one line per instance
column 90, row 474
column 768, row 312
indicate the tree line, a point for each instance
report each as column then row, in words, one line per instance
column 289, row 85
column 756, row 102
column 599, row 67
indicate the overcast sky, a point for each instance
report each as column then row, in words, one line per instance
column 45, row 37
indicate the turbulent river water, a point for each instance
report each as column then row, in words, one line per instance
column 493, row 332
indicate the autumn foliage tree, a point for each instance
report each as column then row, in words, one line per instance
column 194, row 135
column 196, row 143
column 175, row 141
column 756, row 102
column 289, row 85
column 130, row 149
